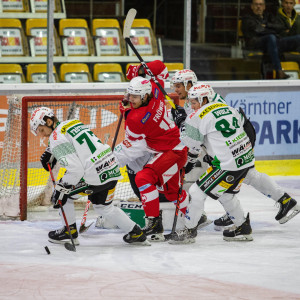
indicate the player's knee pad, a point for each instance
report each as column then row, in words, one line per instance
column 103, row 210
column 196, row 193
column 144, row 177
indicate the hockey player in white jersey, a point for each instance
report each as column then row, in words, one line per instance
column 213, row 125
column 262, row 182
column 91, row 169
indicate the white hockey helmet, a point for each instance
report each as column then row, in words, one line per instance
column 139, row 86
column 184, row 76
column 201, row 90
column 37, row 118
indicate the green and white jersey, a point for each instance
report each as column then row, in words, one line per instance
column 83, row 155
column 219, row 128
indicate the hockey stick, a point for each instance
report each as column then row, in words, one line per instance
column 68, row 246
column 126, row 34
column 84, row 228
column 117, row 132
column 170, row 235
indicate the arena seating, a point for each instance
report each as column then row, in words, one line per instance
column 75, row 73
column 108, row 37
column 37, row 73
column 108, row 73
column 11, row 73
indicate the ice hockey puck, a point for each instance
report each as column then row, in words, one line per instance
column 47, row 250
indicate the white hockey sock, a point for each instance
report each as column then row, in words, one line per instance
column 69, row 212
column 195, row 209
column 264, row 184
column 233, row 207
column 115, row 216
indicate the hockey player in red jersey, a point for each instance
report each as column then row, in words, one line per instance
column 149, row 129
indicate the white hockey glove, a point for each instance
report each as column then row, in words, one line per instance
column 48, row 157
column 61, row 192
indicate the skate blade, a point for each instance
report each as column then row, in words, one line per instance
column 76, row 242
column 158, row 237
column 242, row 238
column 144, row 243
column 186, row 241
column 296, row 211
column 84, row 228
column 206, row 223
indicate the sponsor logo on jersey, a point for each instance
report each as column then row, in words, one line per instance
column 244, row 159
column 146, row 117
column 241, row 149
column 63, row 162
column 156, row 92
column 229, row 178
column 225, row 185
column 115, row 172
column 230, row 142
column 210, row 108
column 213, row 178
column 126, row 143
column 68, row 125
column 95, row 158
column 105, row 165
column 221, row 112
column 159, row 111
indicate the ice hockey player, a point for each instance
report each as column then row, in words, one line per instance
column 149, row 129
column 288, row 207
column 262, row 182
column 211, row 126
column 91, row 168
column 160, row 71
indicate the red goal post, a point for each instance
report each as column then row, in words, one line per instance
column 23, row 182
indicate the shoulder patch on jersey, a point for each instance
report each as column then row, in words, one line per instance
column 68, row 125
column 221, row 112
column 126, row 143
column 210, row 108
column 156, row 92
column 146, row 117
column 54, row 135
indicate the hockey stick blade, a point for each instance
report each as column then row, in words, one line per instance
column 84, row 228
column 70, row 247
column 128, row 22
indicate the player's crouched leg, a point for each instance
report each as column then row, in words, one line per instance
column 116, row 216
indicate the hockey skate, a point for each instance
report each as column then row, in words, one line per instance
column 154, row 227
column 204, row 221
column 136, row 237
column 222, row 222
column 61, row 236
column 184, row 236
column 287, row 205
column 240, row 233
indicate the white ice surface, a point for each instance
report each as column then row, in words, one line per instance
column 104, row 267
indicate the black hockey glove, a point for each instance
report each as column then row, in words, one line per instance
column 61, row 192
column 48, row 157
column 179, row 115
column 191, row 162
column 208, row 159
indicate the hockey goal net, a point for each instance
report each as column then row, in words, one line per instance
column 24, row 183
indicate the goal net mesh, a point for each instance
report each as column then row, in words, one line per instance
column 24, row 184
